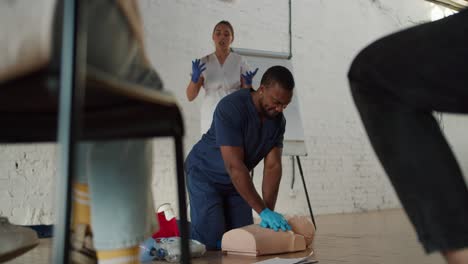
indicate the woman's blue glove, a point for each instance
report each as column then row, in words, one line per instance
column 273, row 220
column 248, row 76
column 197, row 70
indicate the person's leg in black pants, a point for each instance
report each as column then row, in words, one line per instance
column 397, row 82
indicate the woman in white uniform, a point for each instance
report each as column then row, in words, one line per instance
column 219, row 73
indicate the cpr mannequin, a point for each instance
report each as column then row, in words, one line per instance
column 254, row 240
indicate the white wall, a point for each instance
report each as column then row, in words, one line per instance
column 341, row 171
column 455, row 128
column 27, row 174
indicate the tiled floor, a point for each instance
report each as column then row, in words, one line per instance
column 384, row 237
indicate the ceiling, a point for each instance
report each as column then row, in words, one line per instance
column 454, row 4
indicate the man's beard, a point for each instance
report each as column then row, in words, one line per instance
column 269, row 114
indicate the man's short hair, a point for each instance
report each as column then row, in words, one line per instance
column 279, row 75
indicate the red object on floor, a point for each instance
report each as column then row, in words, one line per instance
column 167, row 228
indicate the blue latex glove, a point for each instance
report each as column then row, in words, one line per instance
column 248, row 76
column 197, row 70
column 273, row 220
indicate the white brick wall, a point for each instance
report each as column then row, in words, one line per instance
column 341, row 171
column 27, row 175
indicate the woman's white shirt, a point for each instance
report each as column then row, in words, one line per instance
column 219, row 81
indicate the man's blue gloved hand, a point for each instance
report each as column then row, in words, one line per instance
column 273, row 220
column 248, row 76
column 197, row 70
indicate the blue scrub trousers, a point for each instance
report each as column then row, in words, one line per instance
column 214, row 209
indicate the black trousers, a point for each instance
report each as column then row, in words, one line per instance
column 397, row 82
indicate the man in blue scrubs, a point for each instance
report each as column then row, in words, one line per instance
column 247, row 126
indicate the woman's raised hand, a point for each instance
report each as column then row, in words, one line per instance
column 248, row 77
column 197, row 70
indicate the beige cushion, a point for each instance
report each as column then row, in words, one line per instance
column 254, row 240
column 303, row 226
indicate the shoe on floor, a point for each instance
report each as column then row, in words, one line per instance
column 15, row 240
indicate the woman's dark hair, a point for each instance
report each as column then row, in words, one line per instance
column 279, row 75
column 226, row 23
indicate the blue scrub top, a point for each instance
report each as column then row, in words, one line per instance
column 235, row 123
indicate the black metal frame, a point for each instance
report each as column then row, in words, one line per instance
column 305, row 189
column 69, row 110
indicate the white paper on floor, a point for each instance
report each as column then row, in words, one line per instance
column 305, row 260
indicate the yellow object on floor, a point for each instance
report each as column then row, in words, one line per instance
column 119, row 256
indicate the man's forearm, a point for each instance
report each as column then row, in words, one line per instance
column 270, row 186
column 241, row 179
